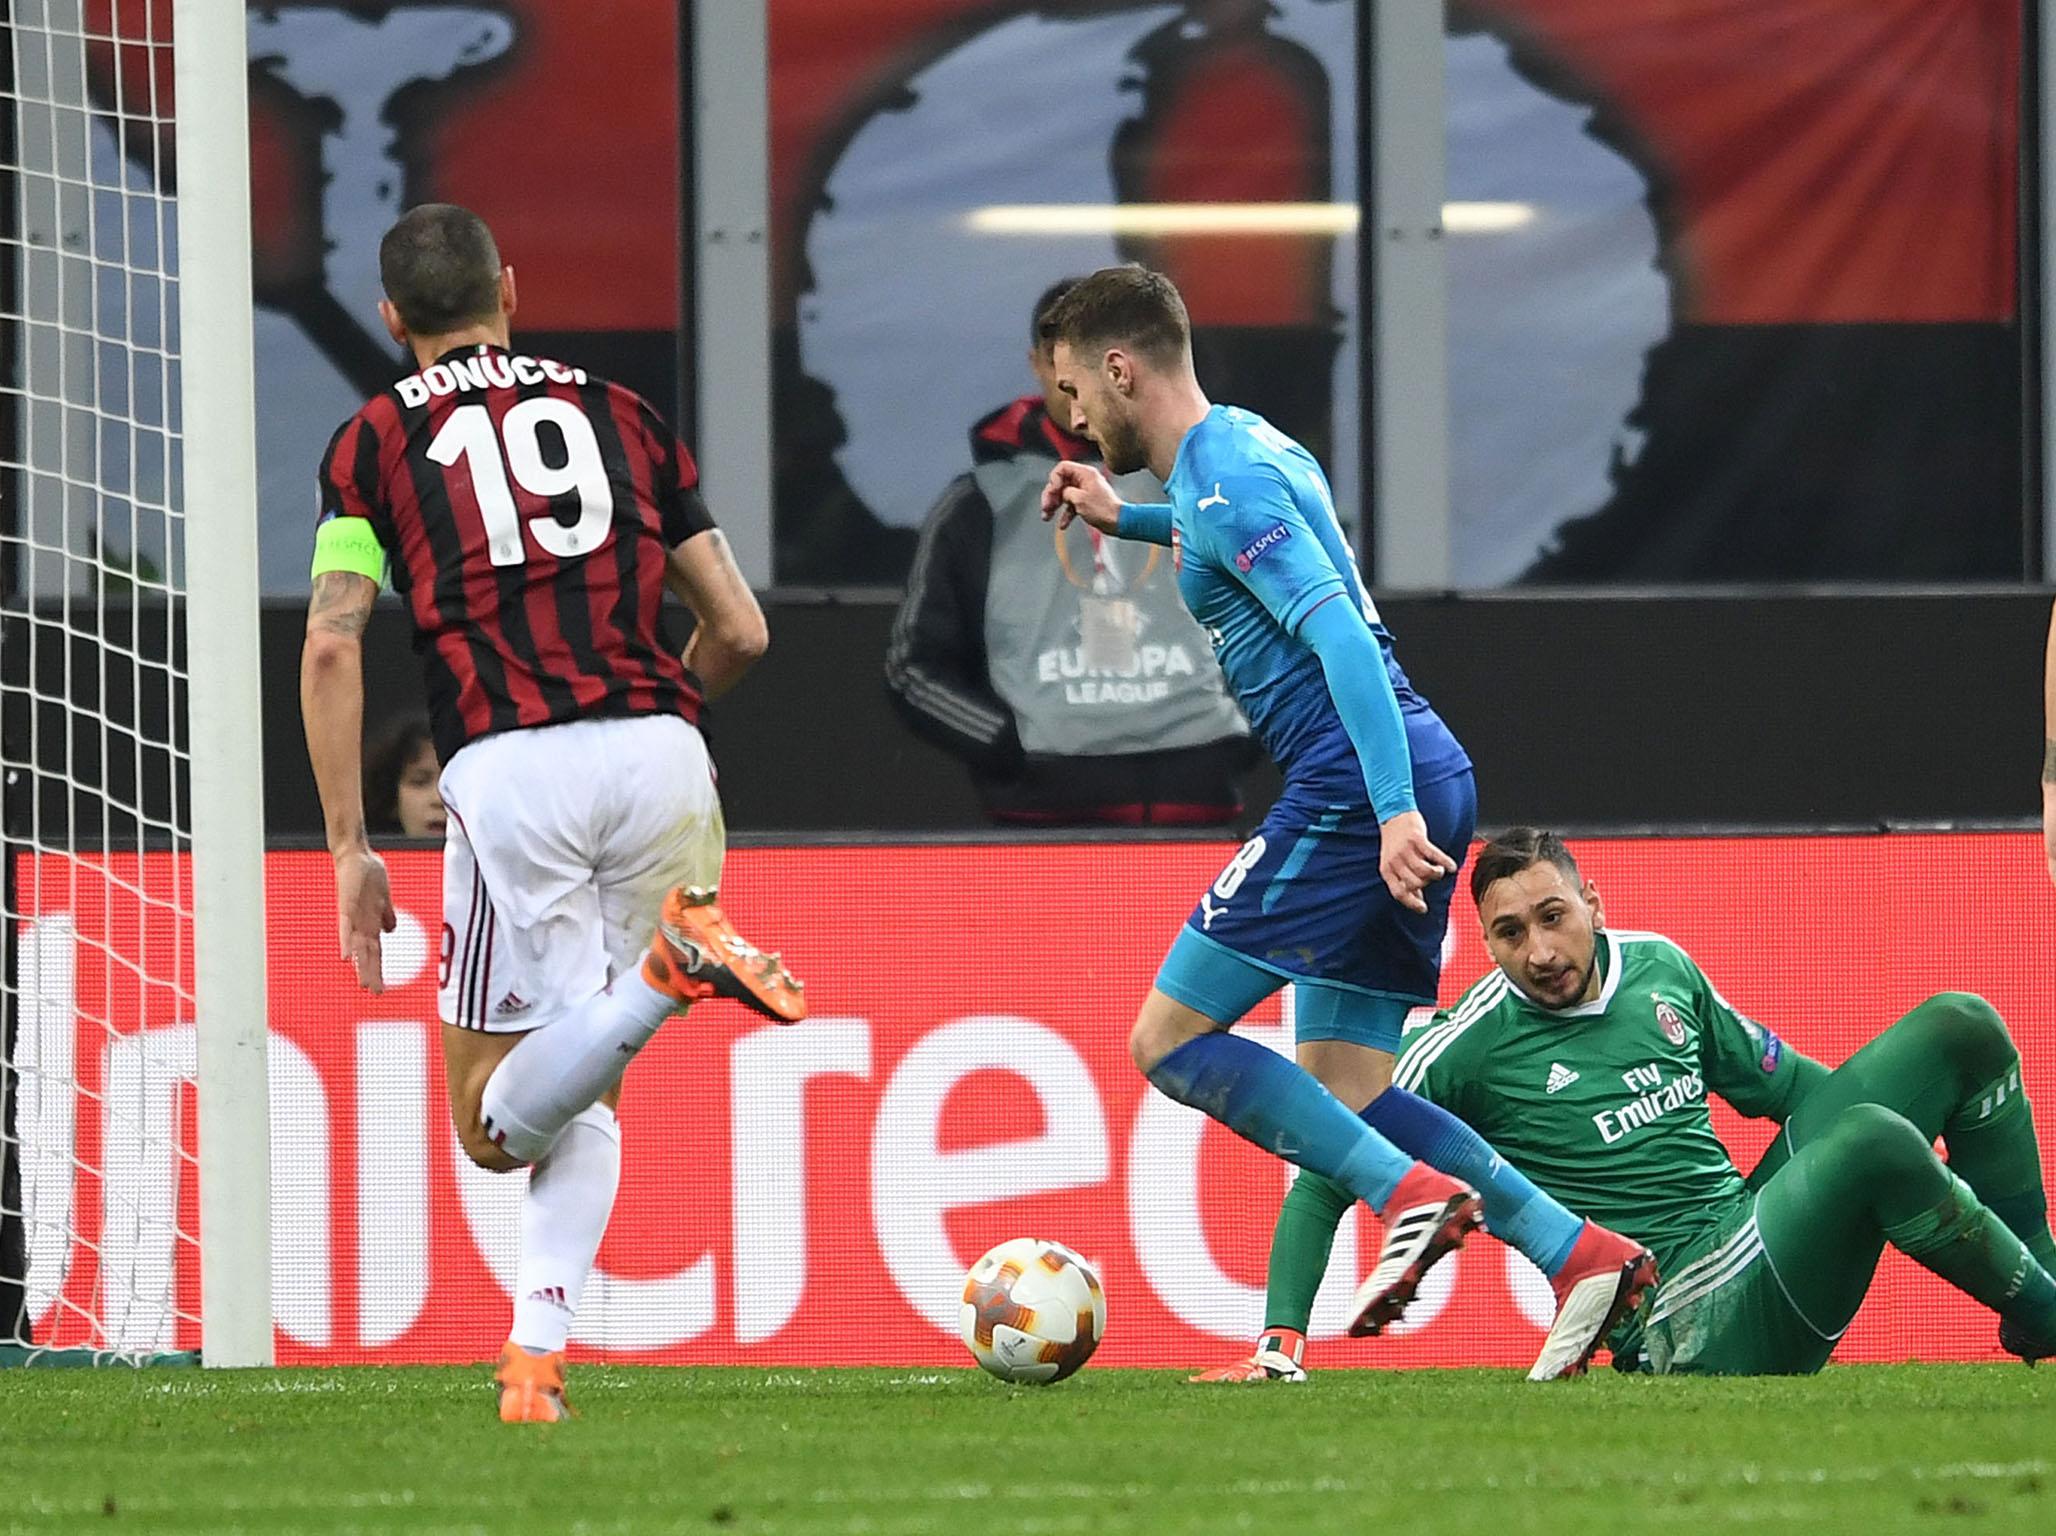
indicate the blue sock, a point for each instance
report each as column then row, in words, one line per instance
column 1516, row 1212
column 1265, row 1098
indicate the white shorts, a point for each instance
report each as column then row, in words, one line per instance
column 562, row 841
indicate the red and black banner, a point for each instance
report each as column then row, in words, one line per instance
column 1743, row 304
column 1756, row 316
column 1835, row 188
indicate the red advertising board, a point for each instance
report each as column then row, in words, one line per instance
column 812, row 1195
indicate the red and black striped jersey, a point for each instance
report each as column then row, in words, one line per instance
column 526, row 509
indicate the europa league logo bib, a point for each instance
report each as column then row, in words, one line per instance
column 1109, row 623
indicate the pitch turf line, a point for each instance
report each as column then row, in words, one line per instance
column 912, row 1452
column 1259, row 1488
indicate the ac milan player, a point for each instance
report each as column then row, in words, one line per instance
column 531, row 516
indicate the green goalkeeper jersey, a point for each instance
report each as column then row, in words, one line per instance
column 1604, row 1105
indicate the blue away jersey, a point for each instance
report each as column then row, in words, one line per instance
column 1259, row 548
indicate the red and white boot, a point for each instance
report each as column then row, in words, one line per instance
column 1600, row 1283
column 1429, row 1215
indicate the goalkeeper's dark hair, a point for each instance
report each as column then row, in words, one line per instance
column 1128, row 306
column 441, row 269
column 1517, row 849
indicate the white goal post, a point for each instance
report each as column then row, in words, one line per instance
column 217, row 370
column 134, row 822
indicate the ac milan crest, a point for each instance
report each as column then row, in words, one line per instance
column 1667, row 1016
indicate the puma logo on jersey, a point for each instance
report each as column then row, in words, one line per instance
column 1208, row 911
column 1215, row 500
column 1560, row 1077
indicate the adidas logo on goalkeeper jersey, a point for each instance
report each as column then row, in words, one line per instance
column 1560, row 1076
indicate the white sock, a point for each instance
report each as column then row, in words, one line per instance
column 563, row 1217
column 561, row 1068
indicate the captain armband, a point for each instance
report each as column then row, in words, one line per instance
column 348, row 544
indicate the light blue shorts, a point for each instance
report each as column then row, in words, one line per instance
column 1224, row 984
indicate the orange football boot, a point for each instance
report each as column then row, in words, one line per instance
column 531, row 1387
column 1280, row 1356
column 697, row 953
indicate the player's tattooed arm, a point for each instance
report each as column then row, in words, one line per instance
column 341, row 604
column 730, row 633
column 332, row 699
column 332, row 710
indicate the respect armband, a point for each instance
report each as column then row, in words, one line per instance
column 348, row 544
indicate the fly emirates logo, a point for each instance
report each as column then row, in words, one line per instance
column 1654, row 1098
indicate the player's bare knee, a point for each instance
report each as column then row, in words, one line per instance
column 483, row 1150
column 1160, row 1029
column 1355, row 1074
column 1146, row 1046
column 491, row 1158
column 467, row 1118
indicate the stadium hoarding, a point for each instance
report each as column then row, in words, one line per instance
column 811, row 1195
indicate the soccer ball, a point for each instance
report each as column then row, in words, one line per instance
column 1033, row 1311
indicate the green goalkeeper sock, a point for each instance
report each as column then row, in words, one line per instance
column 1313, row 1209
column 1992, row 1148
column 1969, row 1246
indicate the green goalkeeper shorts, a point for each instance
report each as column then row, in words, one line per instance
column 1722, row 1310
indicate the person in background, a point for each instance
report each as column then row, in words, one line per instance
column 400, row 773
column 1059, row 663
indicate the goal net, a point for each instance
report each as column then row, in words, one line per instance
column 118, row 753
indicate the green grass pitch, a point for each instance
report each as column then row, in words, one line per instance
column 1863, row 1448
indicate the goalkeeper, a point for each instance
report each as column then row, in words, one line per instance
column 1587, row 1056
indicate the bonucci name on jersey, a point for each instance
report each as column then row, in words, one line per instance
column 526, row 508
